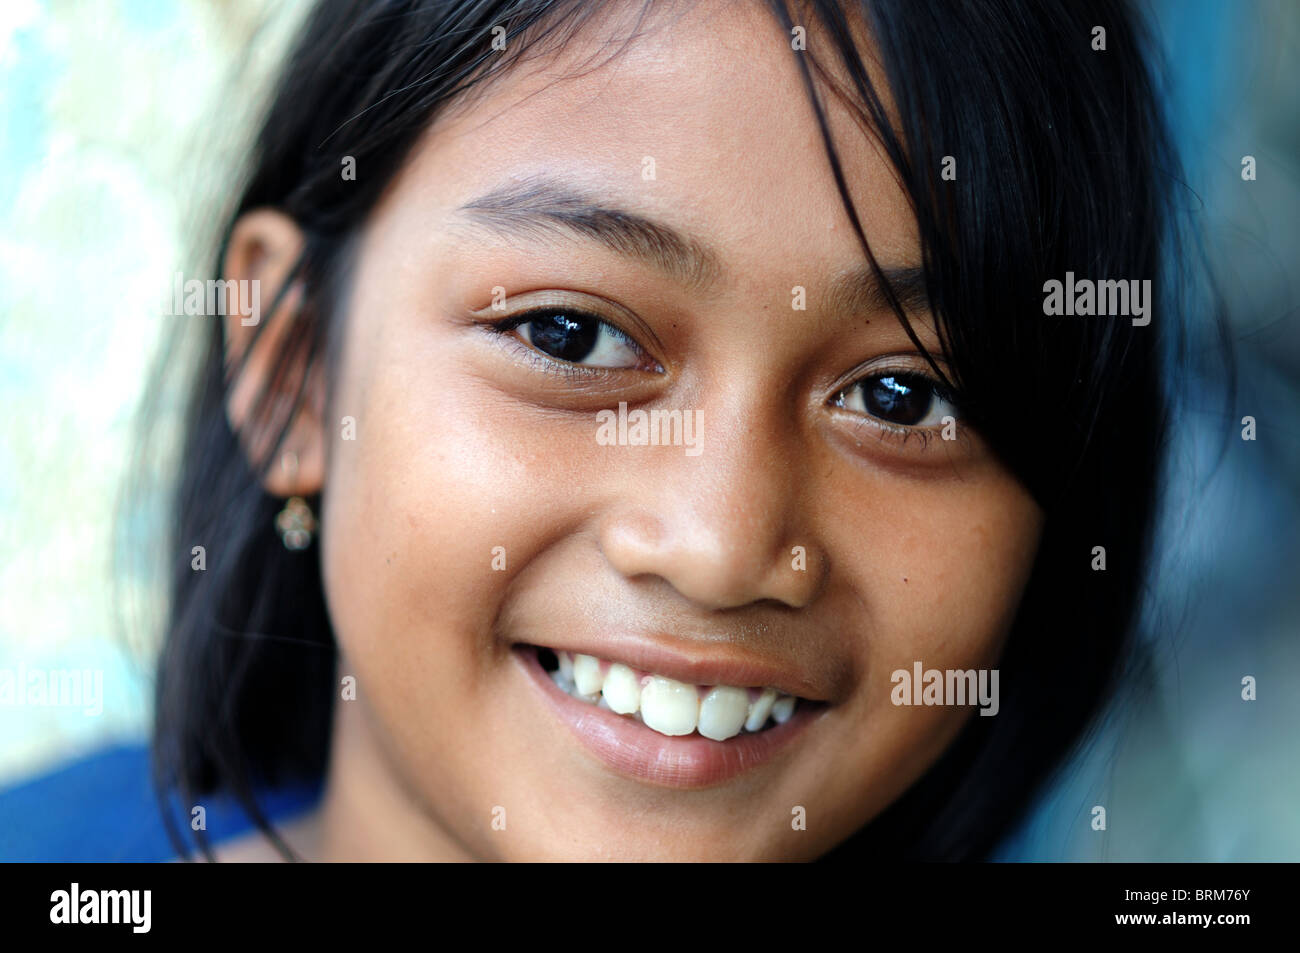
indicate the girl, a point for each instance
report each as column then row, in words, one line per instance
column 836, row 589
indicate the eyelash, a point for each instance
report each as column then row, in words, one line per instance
column 898, row 433
column 570, row 371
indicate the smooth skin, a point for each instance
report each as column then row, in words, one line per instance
column 916, row 548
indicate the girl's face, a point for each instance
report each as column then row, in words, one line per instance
column 813, row 531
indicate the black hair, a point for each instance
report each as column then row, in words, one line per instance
column 1063, row 164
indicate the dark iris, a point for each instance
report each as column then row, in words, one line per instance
column 897, row 399
column 563, row 337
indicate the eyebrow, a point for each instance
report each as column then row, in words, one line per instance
column 542, row 205
column 856, row 291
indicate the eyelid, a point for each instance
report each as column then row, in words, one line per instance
column 902, row 364
column 510, row 322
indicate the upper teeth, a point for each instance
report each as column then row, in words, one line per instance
column 668, row 706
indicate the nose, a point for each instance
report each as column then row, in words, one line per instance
column 724, row 528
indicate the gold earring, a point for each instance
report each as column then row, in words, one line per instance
column 295, row 523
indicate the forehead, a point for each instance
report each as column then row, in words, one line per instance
column 696, row 115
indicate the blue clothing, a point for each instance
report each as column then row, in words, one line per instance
column 103, row 808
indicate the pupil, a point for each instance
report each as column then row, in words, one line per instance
column 896, row 400
column 562, row 337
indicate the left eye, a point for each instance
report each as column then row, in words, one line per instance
column 578, row 339
column 906, row 400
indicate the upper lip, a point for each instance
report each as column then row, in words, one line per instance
column 734, row 666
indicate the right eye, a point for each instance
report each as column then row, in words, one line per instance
column 902, row 399
column 576, row 338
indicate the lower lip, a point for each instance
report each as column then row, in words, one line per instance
column 629, row 748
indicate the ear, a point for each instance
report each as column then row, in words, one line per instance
column 264, row 247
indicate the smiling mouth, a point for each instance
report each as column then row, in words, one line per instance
column 667, row 706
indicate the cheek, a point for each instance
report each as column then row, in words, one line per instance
column 961, row 557
column 428, row 511
column 937, row 573
column 937, row 567
column 446, row 496
column 434, row 481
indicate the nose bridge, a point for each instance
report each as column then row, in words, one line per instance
column 720, row 527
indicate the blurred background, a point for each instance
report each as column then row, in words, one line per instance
column 121, row 127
